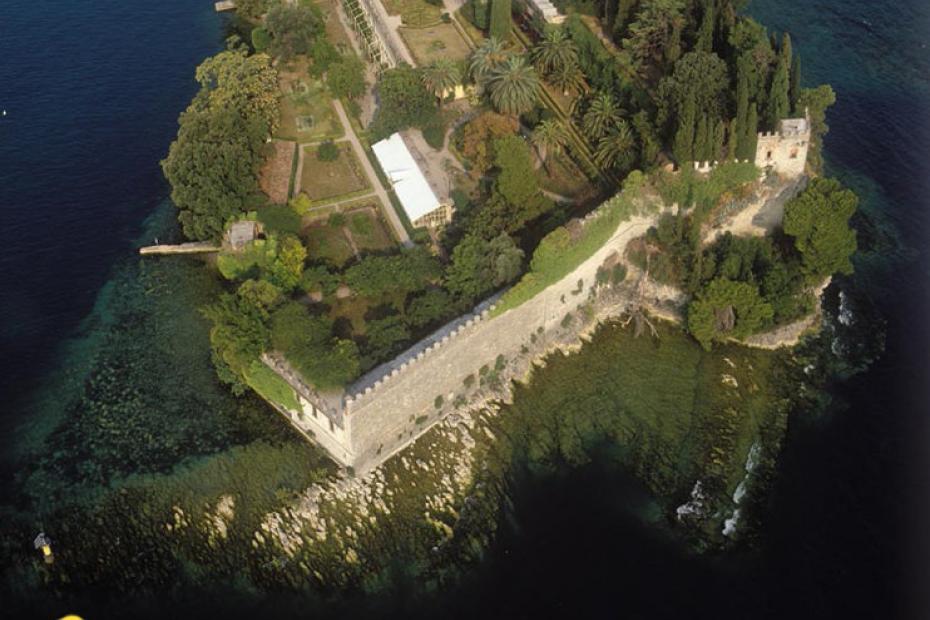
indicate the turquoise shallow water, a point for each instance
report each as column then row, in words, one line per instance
column 92, row 107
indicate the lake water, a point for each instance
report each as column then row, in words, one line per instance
column 92, row 93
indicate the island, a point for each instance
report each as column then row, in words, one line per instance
column 413, row 205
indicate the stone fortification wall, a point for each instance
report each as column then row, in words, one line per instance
column 402, row 404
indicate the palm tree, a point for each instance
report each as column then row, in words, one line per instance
column 602, row 114
column 568, row 79
column 554, row 52
column 549, row 137
column 513, row 86
column 489, row 56
column 441, row 76
column 615, row 149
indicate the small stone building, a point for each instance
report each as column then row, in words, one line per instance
column 423, row 201
column 785, row 151
column 240, row 233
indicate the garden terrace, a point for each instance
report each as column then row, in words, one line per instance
column 414, row 13
column 276, row 175
column 432, row 43
column 307, row 114
column 325, row 181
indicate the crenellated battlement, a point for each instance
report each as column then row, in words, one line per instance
column 365, row 389
column 706, row 166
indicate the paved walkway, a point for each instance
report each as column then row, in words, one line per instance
column 393, row 218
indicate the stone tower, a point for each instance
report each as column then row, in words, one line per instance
column 785, row 151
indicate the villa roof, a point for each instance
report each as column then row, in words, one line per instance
column 411, row 187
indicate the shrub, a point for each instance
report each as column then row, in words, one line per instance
column 301, row 204
column 469, row 381
column 438, row 402
column 327, row 151
column 500, row 363
column 618, row 274
column 260, row 39
column 435, row 135
column 446, row 18
column 567, row 320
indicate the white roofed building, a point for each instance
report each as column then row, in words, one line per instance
column 545, row 10
column 423, row 202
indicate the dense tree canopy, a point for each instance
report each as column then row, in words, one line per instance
column 655, row 36
column 480, row 266
column 403, row 102
column 213, row 164
column 240, row 329
column 699, row 78
column 212, row 167
column 478, row 138
column 818, row 219
column 346, row 78
column 309, row 345
column 727, row 309
column 515, row 198
column 293, row 28
column 406, row 272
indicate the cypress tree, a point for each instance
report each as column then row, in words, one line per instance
column 705, row 38
column 718, row 140
column 749, row 139
column 742, row 110
column 732, row 140
column 500, row 20
column 794, row 88
column 778, row 107
column 683, row 148
column 785, row 51
column 701, row 143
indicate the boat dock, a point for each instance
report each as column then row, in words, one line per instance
column 224, row 5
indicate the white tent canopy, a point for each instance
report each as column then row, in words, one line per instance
column 410, row 185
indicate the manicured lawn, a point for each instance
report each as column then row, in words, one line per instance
column 435, row 42
column 307, row 114
column 321, row 180
column 369, row 230
column 328, row 243
column 414, row 13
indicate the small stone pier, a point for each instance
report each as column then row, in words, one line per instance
column 197, row 247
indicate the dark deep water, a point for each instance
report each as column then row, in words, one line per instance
column 92, row 93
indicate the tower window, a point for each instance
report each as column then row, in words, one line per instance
column 793, row 154
column 768, row 155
